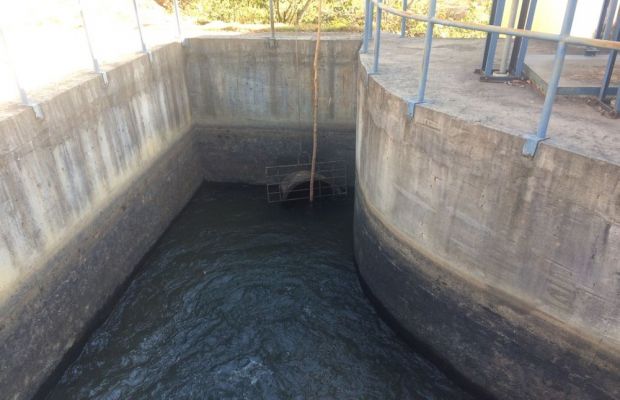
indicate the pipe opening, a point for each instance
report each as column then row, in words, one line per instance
column 296, row 186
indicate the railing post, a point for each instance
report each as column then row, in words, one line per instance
column 372, row 17
column 618, row 102
column 609, row 68
column 177, row 15
column 272, row 23
column 508, row 44
column 531, row 144
column 93, row 57
column 375, row 64
column 25, row 99
column 497, row 20
column 367, row 26
column 609, row 23
column 487, row 41
column 598, row 34
column 403, row 22
column 611, row 60
column 426, row 58
column 520, row 61
column 139, row 24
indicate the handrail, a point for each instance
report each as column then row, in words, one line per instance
column 576, row 40
column 25, row 99
column 563, row 39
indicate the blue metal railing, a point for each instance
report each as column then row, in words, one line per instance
column 403, row 21
column 563, row 39
column 552, row 89
column 498, row 13
column 95, row 60
column 611, row 61
column 23, row 95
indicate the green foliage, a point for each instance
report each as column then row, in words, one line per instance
column 338, row 15
column 457, row 10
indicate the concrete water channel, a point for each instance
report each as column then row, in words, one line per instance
column 504, row 269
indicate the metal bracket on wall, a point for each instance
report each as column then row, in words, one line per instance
column 531, row 145
column 38, row 111
column 366, row 79
column 272, row 43
column 411, row 106
column 104, row 76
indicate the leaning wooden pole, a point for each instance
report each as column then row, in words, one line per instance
column 315, row 109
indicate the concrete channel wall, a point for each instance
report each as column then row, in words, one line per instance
column 507, row 267
column 84, row 193
column 251, row 102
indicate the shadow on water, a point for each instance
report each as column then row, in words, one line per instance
column 241, row 299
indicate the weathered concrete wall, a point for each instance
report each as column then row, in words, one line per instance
column 241, row 155
column 84, row 193
column 245, row 82
column 508, row 267
column 252, row 102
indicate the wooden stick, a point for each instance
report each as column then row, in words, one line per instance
column 315, row 113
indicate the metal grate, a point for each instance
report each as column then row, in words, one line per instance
column 292, row 182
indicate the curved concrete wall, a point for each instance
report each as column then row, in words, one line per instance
column 507, row 267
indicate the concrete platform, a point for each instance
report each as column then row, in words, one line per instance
column 454, row 88
column 581, row 76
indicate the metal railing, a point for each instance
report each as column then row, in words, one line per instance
column 26, row 100
column 23, row 95
column 563, row 39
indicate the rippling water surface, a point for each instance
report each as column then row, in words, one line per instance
column 241, row 299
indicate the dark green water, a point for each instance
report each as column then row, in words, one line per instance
column 241, row 299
